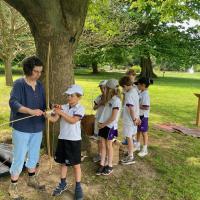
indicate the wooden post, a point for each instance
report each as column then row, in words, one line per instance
column 198, row 110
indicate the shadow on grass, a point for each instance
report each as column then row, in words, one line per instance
column 166, row 81
column 178, row 82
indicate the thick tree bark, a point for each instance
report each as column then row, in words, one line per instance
column 146, row 67
column 8, row 72
column 60, row 23
column 94, row 68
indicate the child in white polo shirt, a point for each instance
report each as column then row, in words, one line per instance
column 144, row 100
column 108, row 124
column 130, row 116
column 132, row 75
column 68, row 152
column 99, row 104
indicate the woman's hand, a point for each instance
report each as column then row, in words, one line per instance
column 57, row 106
column 36, row 112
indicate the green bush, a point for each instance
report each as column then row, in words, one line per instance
column 197, row 68
column 137, row 68
column 15, row 70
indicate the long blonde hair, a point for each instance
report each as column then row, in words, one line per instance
column 112, row 92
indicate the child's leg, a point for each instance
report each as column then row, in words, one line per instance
column 103, row 151
column 62, row 186
column 110, row 152
column 144, row 151
column 78, row 188
column 63, row 171
column 145, row 139
column 138, row 136
column 99, row 146
column 77, row 172
column 130, row 146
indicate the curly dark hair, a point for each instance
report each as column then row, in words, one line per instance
column 125, row 80
column 145, row 81
column 29, row 63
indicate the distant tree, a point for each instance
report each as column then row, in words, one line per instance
column 159, row 34
column 104, row 39
column 59, row 23
column 15, row 38
column 147, row 29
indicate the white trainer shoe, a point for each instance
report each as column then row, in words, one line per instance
column 143, row 153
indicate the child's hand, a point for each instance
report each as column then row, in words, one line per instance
column 101, row 125
column 57, row 106
column 58, row 111
column 138, row 122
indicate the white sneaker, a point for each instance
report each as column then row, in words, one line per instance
column 128, row 160
column 136, row 147
column 143, row 153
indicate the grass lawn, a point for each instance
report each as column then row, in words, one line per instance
column 172, row 169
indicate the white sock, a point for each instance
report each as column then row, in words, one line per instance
column 130, row 155
column 145, row 147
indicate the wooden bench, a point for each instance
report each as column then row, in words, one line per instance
column 198, row 110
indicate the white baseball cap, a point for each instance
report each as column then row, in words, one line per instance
column 74, row 89
column 103, row 83
column 112, row 83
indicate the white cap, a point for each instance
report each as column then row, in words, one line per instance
column 103, row 83
column 74, row 89
column 112, row 83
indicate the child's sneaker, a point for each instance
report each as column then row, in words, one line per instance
column 100, row 170
column 136, row 147
column 143, row 153
column 78, row 195
column 128, row 160
column 107, row 170
column 97, row 158
column 59, row 189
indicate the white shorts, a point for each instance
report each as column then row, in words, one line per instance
column 129, row 131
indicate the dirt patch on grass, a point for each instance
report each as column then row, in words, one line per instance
column 50, row 177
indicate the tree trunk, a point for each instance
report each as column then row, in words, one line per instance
column 146, row 68
column 94, row 68
column 60, row 23
column 8, row 72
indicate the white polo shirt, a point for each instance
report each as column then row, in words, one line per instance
column 114, row 103
column 131, row 99
column 100, row 108
column 71, row 131
column 144, row 100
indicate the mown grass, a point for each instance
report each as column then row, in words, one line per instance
column 172, row 169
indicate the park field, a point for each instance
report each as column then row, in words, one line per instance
column 171, row 171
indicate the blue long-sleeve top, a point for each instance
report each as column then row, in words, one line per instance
column 23, row 94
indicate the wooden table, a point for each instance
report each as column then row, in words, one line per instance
column 198, row 110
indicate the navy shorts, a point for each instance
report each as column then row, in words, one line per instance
column 143, row 127
column 68, row 152
column 108, row 133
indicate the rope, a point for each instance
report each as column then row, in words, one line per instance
column 17, row 120
column 4, row 162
